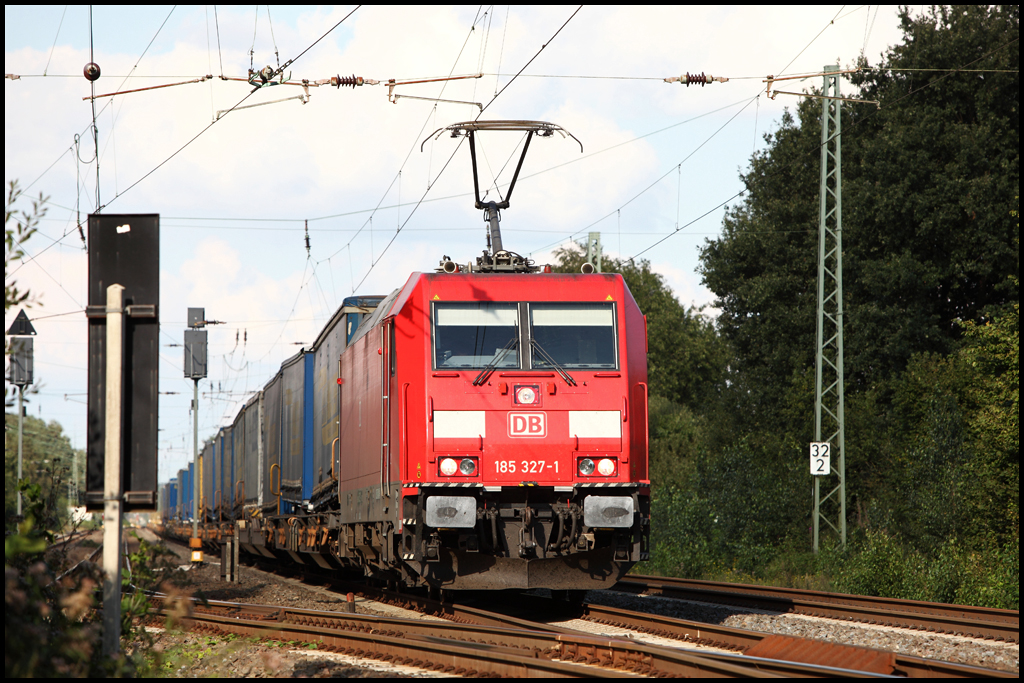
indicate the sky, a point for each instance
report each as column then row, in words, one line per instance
column 236, row 198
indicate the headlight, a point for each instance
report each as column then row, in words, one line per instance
column 526, row 395
column 606, row 467
column 454, row 467
column 586, row 467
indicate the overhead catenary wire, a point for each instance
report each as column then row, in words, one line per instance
column 214, row 122
column 380, row 206
column 652, row 184
column 220, row 56
column 54, row 46
column 849, row 129
column 691, row 154
column 406, row 159
column 95, row 131
column 809, row 74
column 455, row 151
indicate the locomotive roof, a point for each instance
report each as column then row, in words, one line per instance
column 351, row 304
column 382, row 310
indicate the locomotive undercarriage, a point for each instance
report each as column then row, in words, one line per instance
column 523, row 537
column 520, row 538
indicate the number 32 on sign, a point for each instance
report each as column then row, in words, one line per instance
column 821, row 458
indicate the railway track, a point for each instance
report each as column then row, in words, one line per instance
column 767, row 649
column 756, row 643
column 960, row 620
column 480, row 650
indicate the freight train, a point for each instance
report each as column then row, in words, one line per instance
column 482, row 427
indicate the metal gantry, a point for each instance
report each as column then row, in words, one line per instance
column 829, row 418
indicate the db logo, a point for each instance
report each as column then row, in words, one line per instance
column 527, row 424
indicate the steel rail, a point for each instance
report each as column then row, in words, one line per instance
column 962, row 620
column 782, row 646
column 473, row 650
column 747, row 644
column 750, row 645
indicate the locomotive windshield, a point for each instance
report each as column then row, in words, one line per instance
column 574, row 335
column 472, row 335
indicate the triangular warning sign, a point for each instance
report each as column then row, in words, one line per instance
column 609, row 298
column 21, row 325
column 437, row 298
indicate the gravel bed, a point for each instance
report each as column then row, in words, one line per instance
column 189, row 655
column 987, row 653
column 258, row 587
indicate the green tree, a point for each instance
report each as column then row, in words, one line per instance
column 931, row 304
column 685, row 365
column 48, row 460
column 685, row 361
column 927, row 179
column 19, row 226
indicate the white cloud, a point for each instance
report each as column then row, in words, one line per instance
column 339, row 153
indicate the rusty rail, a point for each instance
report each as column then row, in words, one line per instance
column 765, row 648
column 756, row 643
column 962, row 620
column 473, row 650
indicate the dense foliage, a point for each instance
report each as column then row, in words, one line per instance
column 931, row 292
column 47, row 458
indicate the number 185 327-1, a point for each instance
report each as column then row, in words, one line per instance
column 526, row 466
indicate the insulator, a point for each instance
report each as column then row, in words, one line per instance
column 694, row 78
column 353, row 80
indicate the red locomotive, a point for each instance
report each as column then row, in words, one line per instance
column 483, row 427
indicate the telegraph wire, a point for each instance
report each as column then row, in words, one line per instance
column 151, row 41
column 703, row 215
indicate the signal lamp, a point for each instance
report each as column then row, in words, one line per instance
column 467, row 467
column 606, row 467
column 586, row 467
column 449, row 466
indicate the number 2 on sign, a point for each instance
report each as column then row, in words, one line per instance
column 821, row 458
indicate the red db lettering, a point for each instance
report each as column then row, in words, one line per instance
column 518, row 424
column 536, row 425
column 527, row 424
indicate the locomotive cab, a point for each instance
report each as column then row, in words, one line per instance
column 483, row 427
column 524, row 445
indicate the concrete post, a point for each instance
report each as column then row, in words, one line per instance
column 112, row 474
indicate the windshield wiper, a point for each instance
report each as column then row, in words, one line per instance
column 552, row 362
column 498, row 357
